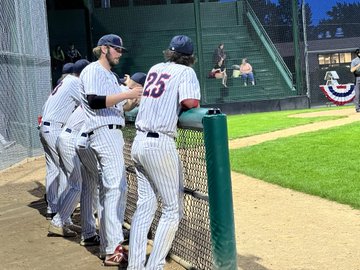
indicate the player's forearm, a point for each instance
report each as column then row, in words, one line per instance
column 190, row 103
column 101, row 102
column 111, row 100
column 354, row 68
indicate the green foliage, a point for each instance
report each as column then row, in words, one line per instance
column 345, row 15
column 245, row 125
column 323, row 163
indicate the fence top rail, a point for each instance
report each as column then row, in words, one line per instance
column 190, row 119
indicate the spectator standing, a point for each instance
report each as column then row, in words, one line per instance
column 58, row 57
column 219, row 55
column 72, row 53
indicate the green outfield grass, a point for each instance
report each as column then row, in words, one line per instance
column 324, row 163
column 245, row 125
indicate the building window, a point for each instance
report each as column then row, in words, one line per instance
column 334, row 59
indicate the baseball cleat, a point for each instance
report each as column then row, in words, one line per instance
column 91, row 241
column 119, row 257
column 60, row 231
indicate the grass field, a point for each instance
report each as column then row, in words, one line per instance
column 324, row 163
column 245, row 125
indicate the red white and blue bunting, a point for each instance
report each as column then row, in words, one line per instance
column 339, row 94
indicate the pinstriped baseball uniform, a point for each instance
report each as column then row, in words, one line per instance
column 70, row 164
column 90, row 175
column 157, row 163
column 107, row 142
column 56, row 111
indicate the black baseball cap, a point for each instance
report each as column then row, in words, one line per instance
column 68, row 68
column 138, row 77
column 181, row 44
column 80, row 65
column 111, row 40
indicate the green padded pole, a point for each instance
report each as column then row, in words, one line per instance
column 220, row 193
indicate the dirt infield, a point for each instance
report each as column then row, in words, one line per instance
column 276, row 228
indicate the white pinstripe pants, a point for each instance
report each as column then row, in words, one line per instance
column 55, row 179
column 70, row 164
column 159, row 171
column 108, row 146
column 90, row 175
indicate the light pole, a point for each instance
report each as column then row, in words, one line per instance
column 306, row 53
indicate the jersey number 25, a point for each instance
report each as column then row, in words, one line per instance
column 156, row 84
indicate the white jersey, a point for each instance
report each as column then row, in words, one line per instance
column 62, row 101
column 354, row 63
column 96, row 80
column 76, row 119
column 166, row 86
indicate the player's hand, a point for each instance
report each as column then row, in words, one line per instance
column 127, row 79
column 135, row 92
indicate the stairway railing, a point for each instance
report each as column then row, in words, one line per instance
column 269, row 45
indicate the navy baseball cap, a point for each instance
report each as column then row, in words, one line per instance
column 138, row 77
column 68, row 68
column 80, row 65
column 182, row 44
column 111, row 40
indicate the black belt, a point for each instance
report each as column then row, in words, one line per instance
column 68, row 130
column 152, row 135
column 83, row 134
column 49, row 124
column 110, row 127
column 115, row 126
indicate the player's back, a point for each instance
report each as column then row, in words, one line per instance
column 167, row 84
column 62, row 100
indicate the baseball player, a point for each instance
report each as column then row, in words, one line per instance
column 169, row 87
column 57, row 109
column 66, row 70
column 355, row 68
column 70, row 163
column 103, row 103
column 89, row 203
column 136, row 80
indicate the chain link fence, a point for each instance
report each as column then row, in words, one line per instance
column 193, row 240
column 25, row 79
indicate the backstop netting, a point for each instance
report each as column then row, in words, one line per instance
column 25, row 78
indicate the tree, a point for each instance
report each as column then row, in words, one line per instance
column 344, row 16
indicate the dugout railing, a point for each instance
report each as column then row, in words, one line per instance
column 206, row 234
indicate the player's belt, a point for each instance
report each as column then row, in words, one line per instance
column 49, row 124
column 110, row 127
column 115, row 126
column 152, row 135
column 83, row 135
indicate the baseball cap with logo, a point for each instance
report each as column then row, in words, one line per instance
column 138, row 77
column 182, row 44
column 111, row 40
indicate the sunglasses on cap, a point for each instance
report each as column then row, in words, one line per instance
column 118, row 50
